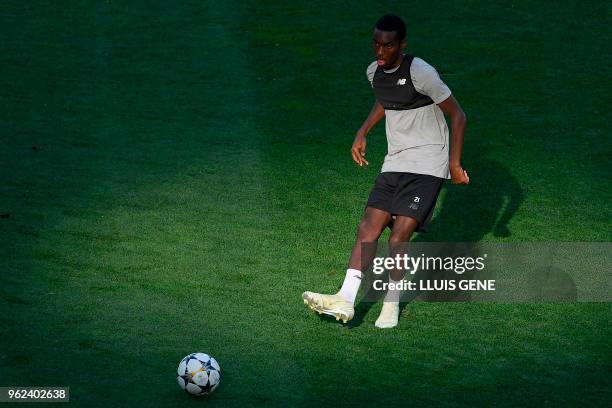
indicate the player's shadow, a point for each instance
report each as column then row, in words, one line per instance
column 486, row 205
column 467, row 214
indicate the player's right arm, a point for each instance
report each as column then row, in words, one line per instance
column 358, row 150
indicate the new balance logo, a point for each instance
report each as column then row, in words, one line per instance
column 401, row 81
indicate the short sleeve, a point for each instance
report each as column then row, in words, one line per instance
column 427, row 81
column 371, row 71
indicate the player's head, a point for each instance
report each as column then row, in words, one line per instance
column 389, row 40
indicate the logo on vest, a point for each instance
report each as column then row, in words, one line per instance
column 401, row 81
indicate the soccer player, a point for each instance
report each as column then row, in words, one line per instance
column 414, row 100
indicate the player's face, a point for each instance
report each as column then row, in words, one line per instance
column 387, row 48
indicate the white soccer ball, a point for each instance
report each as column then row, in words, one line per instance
column 198, row 374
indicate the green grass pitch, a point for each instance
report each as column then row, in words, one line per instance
column 172, row 177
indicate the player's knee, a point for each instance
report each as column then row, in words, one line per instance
column 399, row 235
column 403, row 229
column 367, row 231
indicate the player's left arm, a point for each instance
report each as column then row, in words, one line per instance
column 451, row 108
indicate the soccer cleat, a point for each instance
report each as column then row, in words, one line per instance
column 389, row 315
column 333, row 305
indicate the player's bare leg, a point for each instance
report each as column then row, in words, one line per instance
column 341, row 304
column 403, row 229
column 371, row 226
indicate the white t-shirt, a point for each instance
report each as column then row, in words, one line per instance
column 417, row 139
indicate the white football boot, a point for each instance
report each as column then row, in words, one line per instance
column 389, row 315
column 333, row 305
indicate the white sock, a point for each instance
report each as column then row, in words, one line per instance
column 393, row 295
column 351, row 284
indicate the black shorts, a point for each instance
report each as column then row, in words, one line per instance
column 408, row 194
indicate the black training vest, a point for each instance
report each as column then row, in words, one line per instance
column 395, row 91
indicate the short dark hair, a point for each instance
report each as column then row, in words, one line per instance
column 391, row 22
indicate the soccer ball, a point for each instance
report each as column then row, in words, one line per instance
column 198, row 374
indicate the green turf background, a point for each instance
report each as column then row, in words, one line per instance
column 176, row 176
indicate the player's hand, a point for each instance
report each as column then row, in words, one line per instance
column 359, row 150
column 459, row 176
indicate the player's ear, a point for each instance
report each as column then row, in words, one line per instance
column 403, row 44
